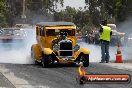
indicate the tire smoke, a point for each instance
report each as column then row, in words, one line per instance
column 95, row 52
column 18, row 52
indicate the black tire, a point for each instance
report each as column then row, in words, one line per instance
column 32, row 53
column 32, row 56
column 85, row 59
column 44, row 61
column 36, row 62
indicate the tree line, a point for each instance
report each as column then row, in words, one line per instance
column 91, row 14
column 11, row 11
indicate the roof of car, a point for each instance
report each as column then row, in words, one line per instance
column 56, row 24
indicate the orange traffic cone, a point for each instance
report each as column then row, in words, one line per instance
column 118, row 55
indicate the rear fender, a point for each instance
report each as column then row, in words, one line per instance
column 36, row 51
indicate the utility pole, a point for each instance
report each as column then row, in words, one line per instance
column 23, row 12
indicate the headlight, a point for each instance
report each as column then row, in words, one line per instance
column 76, row 47
column 55, row 47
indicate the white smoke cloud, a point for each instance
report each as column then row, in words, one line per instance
column 95, row 52
column 18, row 53
column 126, row 27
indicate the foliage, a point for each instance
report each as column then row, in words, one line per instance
column 44, row 5
column 11, row 11
column 79, row 17
column 94, row 12
column 2, row 12
column 109, row 9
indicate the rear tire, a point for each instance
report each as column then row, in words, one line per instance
column 32, row 53
column 36, row 62
column 32, row 56
column 44, row 61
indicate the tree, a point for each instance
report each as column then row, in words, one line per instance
column 123, row 9
column 11, row 10
column 2, row 12
column 65, row 15
column 80, row 17
column 44, row 5
column 106, row 9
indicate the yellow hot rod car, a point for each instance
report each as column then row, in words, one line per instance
column 56, row 43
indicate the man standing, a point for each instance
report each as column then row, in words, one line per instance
column 105, row 33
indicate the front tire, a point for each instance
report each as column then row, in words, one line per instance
column 84, row 58
column 82, row 80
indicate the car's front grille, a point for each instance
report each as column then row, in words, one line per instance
column 66, row 46
column 65, row 49
column 65, row 53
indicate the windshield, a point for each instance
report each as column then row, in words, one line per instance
column 54, row 32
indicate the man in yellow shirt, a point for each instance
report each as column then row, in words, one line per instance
column 105, row 34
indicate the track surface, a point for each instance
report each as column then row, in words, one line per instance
column 32, row 76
